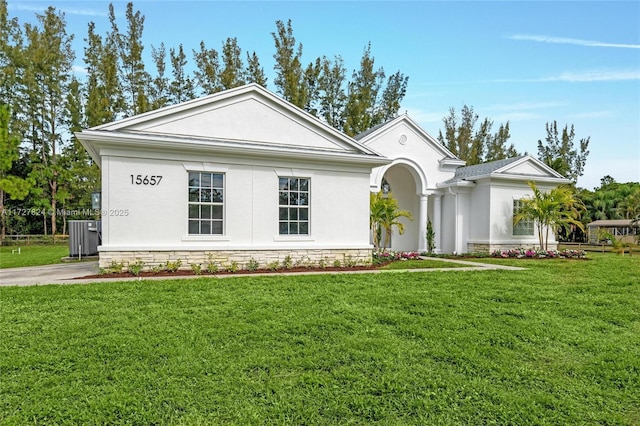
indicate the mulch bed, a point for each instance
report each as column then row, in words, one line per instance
column 204, row 273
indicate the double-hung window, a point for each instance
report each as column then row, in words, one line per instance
column 293, row 206
column 524, row 226
column 206, row 203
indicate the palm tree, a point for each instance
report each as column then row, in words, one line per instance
column 551, row 209
column 383, row 216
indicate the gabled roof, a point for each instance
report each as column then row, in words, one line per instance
column 244, row 119
column 522, row 168
column 373, row 133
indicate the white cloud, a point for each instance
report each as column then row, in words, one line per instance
column 597, row 75
column 580, row 77
column 563, row 40
column 79, row 69
column 422, row 116
column 66, row 11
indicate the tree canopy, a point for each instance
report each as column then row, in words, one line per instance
column 558, row 151
column 474, row 144
column 47, row 101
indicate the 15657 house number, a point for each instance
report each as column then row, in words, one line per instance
column 152, row 180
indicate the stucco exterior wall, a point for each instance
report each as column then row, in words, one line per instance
column 493, row 201
column 155, row 217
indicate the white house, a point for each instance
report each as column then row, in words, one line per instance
column 244, row 174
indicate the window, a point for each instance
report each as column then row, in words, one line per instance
column 293, row 206
column 206, row 203
column 525, row 226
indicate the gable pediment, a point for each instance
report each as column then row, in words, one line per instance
column 249, row 115
column 402, row 135
column 528, row 167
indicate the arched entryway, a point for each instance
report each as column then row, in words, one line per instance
column 408, row 184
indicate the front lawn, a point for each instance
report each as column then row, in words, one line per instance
column 558, row 343
column 32, row 255
column 422, row 264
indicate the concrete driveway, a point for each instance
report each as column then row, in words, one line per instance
column 63, row 273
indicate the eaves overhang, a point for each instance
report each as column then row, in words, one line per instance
column 96, row 140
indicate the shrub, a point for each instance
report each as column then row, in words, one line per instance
column 196, row 268
column 287, row 263
column 114, row 268
column 136, row 267
column 173, row 266
column 232, row 266
column 520, row 253
column 253, row 265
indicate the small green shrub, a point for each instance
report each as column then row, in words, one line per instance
column 173, row 266
column 273, row 266
column 232, row 266
column 114, row 268
column 322, row 263
column 336, row 263
column 136, row 267
column 196, row 268
column 212, row 267
column 349, row 261
column 287, row 263
column 253, row 265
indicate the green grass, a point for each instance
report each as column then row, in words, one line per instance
column 32, row 255
column 558, row 343
column 422, row 264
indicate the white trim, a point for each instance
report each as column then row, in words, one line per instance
column 205, row 238
column 209, row 247
column 293, row 238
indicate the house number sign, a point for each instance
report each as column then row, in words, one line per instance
column 152, row 180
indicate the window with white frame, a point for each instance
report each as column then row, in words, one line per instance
column 206, row 203
column 524, row 226
column 293, row 206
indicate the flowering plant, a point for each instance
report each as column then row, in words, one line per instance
column 543, row 254
column 381, row 256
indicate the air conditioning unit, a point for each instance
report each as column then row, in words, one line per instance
column 84, row 237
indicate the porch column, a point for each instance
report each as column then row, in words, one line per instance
column 437, row 221
column 422, row 223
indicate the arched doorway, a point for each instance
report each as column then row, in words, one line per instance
column 406, row 184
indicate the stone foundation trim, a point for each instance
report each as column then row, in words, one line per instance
column 244, row 259
column 490, row 248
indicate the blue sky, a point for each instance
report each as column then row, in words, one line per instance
column 528, row 63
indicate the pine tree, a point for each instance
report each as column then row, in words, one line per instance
column 207, row 73
column 104, row 99
column 289, row 78
column 47, row 76
column 332, row 98
column 559, row 152
column 133, row 77
column 232, row 74
column 255, row 72
column 160, row 92
column 181, row 88
column 473, row 144
column 11, row 186
column 362, row 95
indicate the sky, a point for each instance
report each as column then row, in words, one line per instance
column 528, row 63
